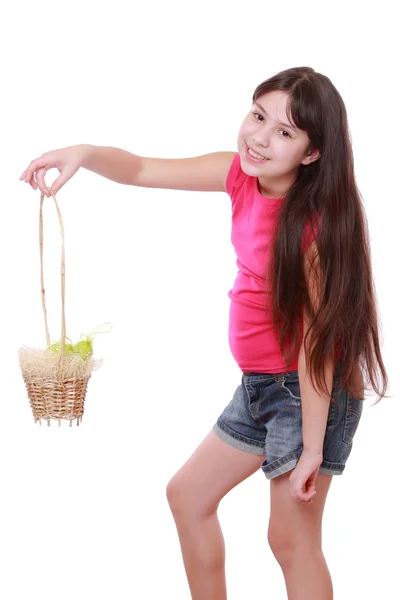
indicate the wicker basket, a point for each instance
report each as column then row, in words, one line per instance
column 58, row 396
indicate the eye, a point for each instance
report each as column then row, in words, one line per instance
column 257, row 115
column 284, row 131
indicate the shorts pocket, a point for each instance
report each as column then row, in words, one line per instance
column 253, row 399
column 354, row 408
column 292, row 388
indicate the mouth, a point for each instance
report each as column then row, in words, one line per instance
column 253, row 156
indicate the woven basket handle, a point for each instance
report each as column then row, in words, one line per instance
column 63, row 327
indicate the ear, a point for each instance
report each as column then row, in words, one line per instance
column 311, row 156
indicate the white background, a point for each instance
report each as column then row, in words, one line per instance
column 83, row 511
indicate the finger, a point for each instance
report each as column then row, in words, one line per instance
column 40, row 173
column 305, row 500
column 303, row 496
column 309, row 496
column 36, row 164
column 59, row 182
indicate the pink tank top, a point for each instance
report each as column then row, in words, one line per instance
column 252, row 340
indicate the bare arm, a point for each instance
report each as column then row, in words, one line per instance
column 315, row 407
column 205, row 173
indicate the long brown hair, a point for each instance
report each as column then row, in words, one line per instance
column 346, row 316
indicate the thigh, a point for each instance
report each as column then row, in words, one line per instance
column 209, row 474
column 293, row 523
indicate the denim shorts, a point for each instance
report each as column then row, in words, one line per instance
column 265, row 417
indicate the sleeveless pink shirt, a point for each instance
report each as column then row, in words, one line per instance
column 252, row 340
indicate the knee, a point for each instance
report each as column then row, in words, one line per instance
column 289, row 546
column 178, row 498
column 174, row 496
column 185, row 502
column 282, row 545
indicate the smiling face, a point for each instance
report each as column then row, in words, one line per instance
column 281, row 147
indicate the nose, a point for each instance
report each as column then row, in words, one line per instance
column 261, row 141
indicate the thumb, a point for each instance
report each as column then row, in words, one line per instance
column 60, row 181
column 310, row 493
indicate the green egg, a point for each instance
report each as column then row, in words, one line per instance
column 56, row 347
column 84, row 348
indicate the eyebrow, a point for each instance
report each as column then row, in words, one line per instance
column 280, row 122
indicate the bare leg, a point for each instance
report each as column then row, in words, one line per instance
column 295, row 539
column 194, row 494
column 308, row 578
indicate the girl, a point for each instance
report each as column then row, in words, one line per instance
column 303, row 320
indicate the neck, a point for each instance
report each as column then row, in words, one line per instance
column 276, row 188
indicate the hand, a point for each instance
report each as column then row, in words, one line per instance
column 66, row 160
column 302, row 479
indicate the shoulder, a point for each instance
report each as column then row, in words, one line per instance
column 235, row 174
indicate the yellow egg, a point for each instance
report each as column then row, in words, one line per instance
column 84, row 348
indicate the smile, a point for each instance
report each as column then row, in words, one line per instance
column 252, row 155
